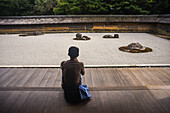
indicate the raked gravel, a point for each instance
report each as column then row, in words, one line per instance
column 51, row 49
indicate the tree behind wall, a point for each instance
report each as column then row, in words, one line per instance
column 77, row 7
column 26, row 7
column 15, row 7
column 112, row 7
column 44, row 7
column 82, row 7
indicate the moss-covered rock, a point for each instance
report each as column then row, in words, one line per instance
column 82, row 38
column 135, row 48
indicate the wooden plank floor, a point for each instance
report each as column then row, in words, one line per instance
column 114, row 90
column 94, row 77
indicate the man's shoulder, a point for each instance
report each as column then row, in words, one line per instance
column 70, row 62
column 81, row 63
column 62, row 63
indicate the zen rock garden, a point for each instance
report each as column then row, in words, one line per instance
column 80, row 37
column 135, row 48
column 131, row 48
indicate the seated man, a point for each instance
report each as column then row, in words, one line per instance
column 71, row 75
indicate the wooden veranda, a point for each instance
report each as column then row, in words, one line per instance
column 113, row 90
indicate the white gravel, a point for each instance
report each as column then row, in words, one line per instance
column 51, row 49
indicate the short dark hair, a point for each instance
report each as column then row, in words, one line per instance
column 73, row 52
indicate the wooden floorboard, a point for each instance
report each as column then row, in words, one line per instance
column 4, row 96
column 58, row 79
column 163, row 73
column 7, row 77
column 52, row 78
column 20, row 101
column 115, row 77
column 132, row 77
column 36, row 101
column 18, row 76
column 119, row 90
column 10, row 78
column 114, row 103
column 32, row 78
column 4, row 71
column 125, row 77
column 25, row 76
column 162, row 98
column 102, row 78
column 43, row 74
column 10, row 101
column 160, row 76
column 94, row 77
column 138, row 101
column 45, row 78
column 148, row 102
column 87, row 77
column 139, row 76
column 155, row 79
column 109, row 78
column 130, row 103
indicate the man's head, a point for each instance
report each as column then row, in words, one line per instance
column 73, row 52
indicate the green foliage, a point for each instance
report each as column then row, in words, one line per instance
column 26, row 7
column 15, row 7
column 82, row 7
column 44, row 7
column 128, row 7
column 62, row 7
column 160, row 7
column 112, row 7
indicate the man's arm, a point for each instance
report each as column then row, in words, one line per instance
column 62, row 82
column 82, row 69
column 61, row 65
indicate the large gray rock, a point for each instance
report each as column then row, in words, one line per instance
column 135, row 46
column 85, row 38
column 110, row 36
column 116, row 35
column 78, row 36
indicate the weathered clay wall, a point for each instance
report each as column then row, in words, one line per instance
column 86, row 23
column 163, row 26
column 24, row 20
column 88, row 27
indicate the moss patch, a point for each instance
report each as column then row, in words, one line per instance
column 124, row 49
column 83, row 38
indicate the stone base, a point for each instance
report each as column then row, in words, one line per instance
column 124, row 49
column 35, row 33
column 82, row 38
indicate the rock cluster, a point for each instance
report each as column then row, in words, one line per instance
column 135, row 48
column 110, row 36
column 80, row 37
column 34, row 33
